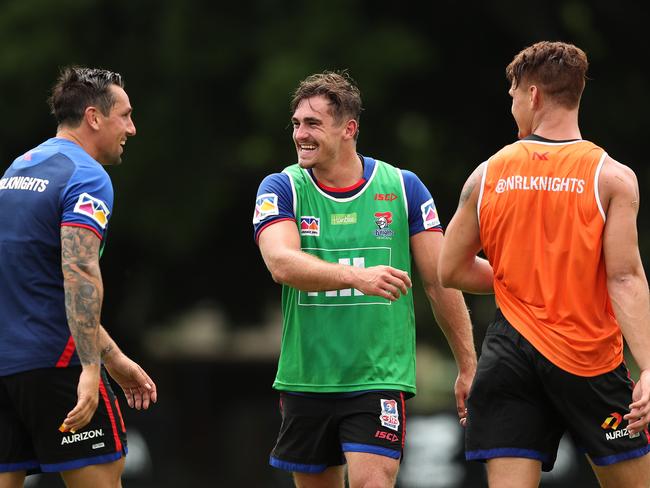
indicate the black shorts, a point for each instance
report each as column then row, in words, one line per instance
column 33, row 405
column 317, row 429
column 520, row 404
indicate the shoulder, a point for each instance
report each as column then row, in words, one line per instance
column 616, row 178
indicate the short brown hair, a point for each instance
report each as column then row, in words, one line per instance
column 558, row 68
column 338, row 87
column 78, row 88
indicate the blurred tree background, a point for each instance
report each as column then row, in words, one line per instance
column 187, row 293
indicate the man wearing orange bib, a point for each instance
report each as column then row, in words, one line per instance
column 556, row 219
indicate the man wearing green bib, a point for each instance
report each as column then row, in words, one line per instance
column 338, row 231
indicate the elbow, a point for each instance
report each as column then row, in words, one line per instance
column 446, row 276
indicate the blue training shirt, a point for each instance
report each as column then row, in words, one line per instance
column 275, row 200
column 54, row 184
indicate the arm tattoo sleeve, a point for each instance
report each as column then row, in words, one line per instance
column 470, row 184
column 83, row 289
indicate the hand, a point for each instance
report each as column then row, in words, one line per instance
column 639, row 415
column 139, row 389
column 87, row 400
column 461, row 391
column 382, row 281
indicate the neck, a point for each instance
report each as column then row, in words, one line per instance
column 559, row 124
column 346, row 172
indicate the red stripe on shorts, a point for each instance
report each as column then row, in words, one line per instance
column 64, row 360
column 109, row 409
column 119, row 413
column 401, row 395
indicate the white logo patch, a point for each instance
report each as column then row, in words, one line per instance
column 265, row 206
column 429, row 215
column 389, row 416
column 94, row 208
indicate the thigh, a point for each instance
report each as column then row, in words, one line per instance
column 374, row 423
column 98, row 476
column 633, row 473
column 308, row 440
column 366, row 469
column 594, row 408
column 509, row 415
column 44, row 397
column 16, row 449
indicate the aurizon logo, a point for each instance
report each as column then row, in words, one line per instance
column 612, row 421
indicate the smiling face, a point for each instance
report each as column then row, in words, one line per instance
column 114, row 128
column 318, row 136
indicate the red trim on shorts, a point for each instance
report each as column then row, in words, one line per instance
column 111, row 416
column 119, row 413
column 629, row 375
column 64, row 360
column 342, row 190
column 257, row 236
column 73, row 224
column 401, row 395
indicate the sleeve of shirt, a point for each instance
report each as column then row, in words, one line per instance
column 422, row 210
column 88, row 200
column 274, row 202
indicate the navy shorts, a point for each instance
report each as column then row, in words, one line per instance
column 520, row 405
column 33, row 404
column 318, row 429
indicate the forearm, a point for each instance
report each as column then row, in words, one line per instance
column 631, row 303
column 308, row 273
column 107, row 347
column 451, row 314
column 475, row 276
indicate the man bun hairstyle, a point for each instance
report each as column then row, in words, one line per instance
column 78, row 88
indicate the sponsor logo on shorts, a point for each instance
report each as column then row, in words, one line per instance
column 309, row 226
column 389, row 436
column 98, row 446
column 82, row 436
column 611, row 423
column 389, row 416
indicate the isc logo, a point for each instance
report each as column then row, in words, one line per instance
column 385, row 197
column 389, row 436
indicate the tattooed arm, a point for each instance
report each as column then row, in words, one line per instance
column 458, row 266
column 139, row 389
column 84, row 292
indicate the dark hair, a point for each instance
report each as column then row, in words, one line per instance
column 558, row 68
column 338, row 87
column 78, row 88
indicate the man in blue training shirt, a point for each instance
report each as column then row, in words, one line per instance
column 57, row 410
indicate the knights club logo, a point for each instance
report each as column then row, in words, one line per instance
column 383, row 221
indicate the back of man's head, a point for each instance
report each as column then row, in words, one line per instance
column 559, row 69
column 78, row 88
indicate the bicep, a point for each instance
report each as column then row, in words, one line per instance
column 278, row 239
column 620, row 238
column 425, row 248
column 79, row 247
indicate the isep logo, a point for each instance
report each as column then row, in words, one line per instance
column 92, row 207
column 309, row 226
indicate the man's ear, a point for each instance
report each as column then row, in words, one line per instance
column 535, row 96
column 351, row 129
column 91, row 116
